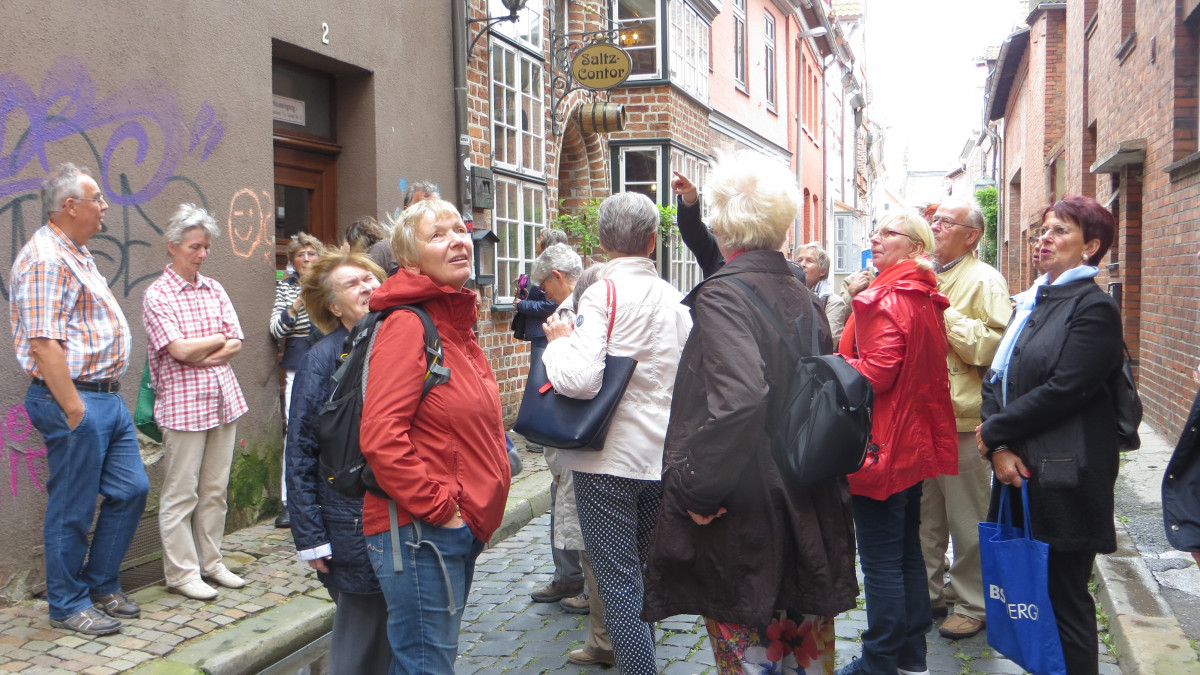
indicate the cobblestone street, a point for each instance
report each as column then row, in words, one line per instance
column 505, row 632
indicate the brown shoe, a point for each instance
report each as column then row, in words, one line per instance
column 583, row 657
column 576, row 604
column 557, row 591
column 960, row 626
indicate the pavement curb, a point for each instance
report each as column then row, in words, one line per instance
column 528, row 497
column 1148, row 637
column 253, row 644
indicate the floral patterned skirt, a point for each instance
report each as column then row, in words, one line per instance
column 782, row 647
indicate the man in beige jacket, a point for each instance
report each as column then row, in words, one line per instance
column 952, row 506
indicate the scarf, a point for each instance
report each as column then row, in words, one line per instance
column 1026, row 301
column 847, row 346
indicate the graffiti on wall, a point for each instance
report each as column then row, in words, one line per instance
column 139, row 142
column 25, row 456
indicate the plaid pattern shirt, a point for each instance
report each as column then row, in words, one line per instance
column 187, row 397
column 55, row 291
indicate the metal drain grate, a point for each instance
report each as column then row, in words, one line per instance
column 142, row 566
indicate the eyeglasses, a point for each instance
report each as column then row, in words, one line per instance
column 1057, row 232
column 306, row 254
column 98, row 198
column 885, row 233
column 946, row 222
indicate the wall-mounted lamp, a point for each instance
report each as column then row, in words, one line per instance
column 513, row 7
column 485, row 258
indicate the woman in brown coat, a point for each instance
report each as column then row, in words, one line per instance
column 767, row 566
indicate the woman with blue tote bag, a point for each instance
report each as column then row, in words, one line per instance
column 1048, row 416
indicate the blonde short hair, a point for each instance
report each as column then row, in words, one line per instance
column 315, row 289
column 405, row 247
column 752, row 201
column 918, row 232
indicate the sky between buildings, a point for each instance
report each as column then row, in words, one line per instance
column 921, row 64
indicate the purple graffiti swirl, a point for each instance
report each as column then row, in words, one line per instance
column 141, row 119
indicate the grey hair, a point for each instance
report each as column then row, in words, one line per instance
column 822, row 256
column 189, row 217
column 422, row 187
column 558, row 257
column 588, row 277
column 61, row 184
column 974, row 213
column 550, row 236
column 627, row 222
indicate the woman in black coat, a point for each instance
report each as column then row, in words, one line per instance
column 1181, row 487
column 767, row 566
column 326, row 525
column 1048, row 416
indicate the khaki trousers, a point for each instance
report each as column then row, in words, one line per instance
column 598, row 641
column 191, row 515
column 951, row 509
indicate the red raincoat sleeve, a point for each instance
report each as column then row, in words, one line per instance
column 881, row 345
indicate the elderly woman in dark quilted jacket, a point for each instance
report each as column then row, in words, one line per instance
column 768, row 565
column 327, row 526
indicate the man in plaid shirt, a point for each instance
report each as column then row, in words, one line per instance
column 69, row 334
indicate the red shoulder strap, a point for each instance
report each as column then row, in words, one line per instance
column 610, row 291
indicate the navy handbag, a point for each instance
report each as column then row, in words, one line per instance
column 1020, row 620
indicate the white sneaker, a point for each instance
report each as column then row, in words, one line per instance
column 196, row 590
column 901, row 671
column 227, row 579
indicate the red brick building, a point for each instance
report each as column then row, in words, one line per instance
column 707, row 76
column 1099, row 97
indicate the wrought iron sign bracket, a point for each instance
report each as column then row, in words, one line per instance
column 563, row 49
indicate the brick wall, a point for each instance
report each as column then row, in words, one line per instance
column 1111, row 90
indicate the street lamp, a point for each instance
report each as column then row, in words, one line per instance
column 513, row 7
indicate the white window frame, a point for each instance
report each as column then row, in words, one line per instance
column 516, row 75
column 740, row 58
column 846, row 254
column 526, row 30
column 621, row 22
column 518, row 227
column 769, row 59
column 689, row 50
column 685, row 271
column 623, row 185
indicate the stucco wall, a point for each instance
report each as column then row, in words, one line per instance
column 170, row 103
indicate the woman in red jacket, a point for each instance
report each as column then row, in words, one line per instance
column 896, row 338
column 442, row 459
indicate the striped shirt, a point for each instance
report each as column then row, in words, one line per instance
column 188, row 397
column 55, row 291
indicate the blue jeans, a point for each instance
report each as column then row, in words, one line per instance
column 100, row 456
column 898, row 611
column 422, row 625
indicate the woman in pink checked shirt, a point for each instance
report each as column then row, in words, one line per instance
column 192, row 333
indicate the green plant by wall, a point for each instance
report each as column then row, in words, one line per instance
column 988, row 199
column 581, row 225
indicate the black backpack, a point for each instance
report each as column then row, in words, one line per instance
column 823, row 429
column 342, row 464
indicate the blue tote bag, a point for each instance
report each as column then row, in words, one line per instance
column 1020, row 620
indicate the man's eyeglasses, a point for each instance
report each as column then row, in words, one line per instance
column 943, row 221
column 885, row 233
column 1057, row 232
column 98, row 199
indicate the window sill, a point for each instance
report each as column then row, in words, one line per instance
column 1188, row 166
column 1127, row 47
column 501, row 306
column 741, row 87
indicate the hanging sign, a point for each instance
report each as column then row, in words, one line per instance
column 601, row 66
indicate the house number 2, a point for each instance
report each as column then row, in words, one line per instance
column 324, row 33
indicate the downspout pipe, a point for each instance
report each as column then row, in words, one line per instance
column 462, row 134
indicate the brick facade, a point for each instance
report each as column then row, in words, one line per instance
column 1110, row 88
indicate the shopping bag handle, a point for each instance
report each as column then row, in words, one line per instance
column 1005, row 512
